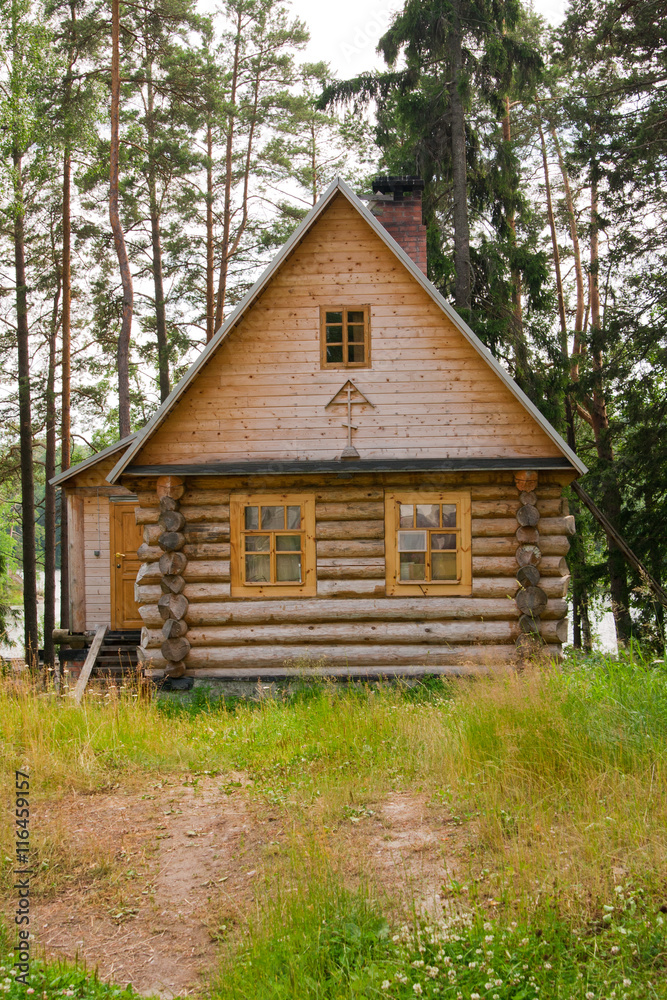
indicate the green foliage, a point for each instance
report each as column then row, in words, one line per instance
column 54, row 980
column 323, row 943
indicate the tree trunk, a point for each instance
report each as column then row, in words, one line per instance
column 314, row 163
column 463, row 286
column 511, row 221
column 25, row 418
column 229, row 157
column 210, row 291
column 554, row 245
column 611, row 494
column 50, row 493
column 65, row 438
column 158, row 284
column 520, row 346
column 578, row 269
column 123, row 354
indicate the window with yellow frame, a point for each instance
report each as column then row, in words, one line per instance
column 272, row 545
column 427, row 543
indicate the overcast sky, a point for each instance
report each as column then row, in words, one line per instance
column 345, row 33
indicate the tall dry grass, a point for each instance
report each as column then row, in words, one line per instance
column 559, row 775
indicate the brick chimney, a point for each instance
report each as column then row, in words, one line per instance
column 397, row 204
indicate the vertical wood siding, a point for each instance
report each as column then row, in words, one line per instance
column 263, row 394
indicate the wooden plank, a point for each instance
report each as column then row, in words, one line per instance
column 379, row 673
column 350, row 511
column 89, row 663
column 360, row 609
column 349, row 655
column 376, row 633
column 351, row 588
column 355, row 549
column 348, row 529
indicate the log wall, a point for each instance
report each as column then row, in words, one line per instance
column 351, row 622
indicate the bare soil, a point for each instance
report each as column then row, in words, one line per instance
column 176, row 868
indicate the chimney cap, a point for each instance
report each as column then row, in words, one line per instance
column 397, row 185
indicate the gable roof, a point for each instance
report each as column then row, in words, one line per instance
column 337, row 187
column 88, row 463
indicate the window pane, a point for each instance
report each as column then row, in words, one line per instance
column 258, row 569
column 293, row 517
column 335, row 355
column 252, row 518
column 258, row 543
column 355, row 352
column 334, row 335
column 288, row 543
column 355, row 334
column 449, row 515
column 428, row 515
column 412, row 541
column 288, row 568
column 355, row 317
column 334, row 317
column 443, row 566
column 442, row 541
column 413, row 565
column 273, row 518
column 406, row 515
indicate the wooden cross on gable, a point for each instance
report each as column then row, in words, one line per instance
column 349, row 395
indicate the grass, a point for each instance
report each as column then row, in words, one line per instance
column 557, row 780
column 327, row 944
column 54, row 980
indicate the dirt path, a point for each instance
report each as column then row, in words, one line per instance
column 185, row 862
column 186, row 859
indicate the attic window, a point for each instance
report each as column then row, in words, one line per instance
column 345, row 336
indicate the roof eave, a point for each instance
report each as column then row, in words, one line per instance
column 88, row 463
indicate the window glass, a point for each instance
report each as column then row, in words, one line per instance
column 288, row 543
column 258, row 569
column 293, row 517
column 273, row 518
column 288, row 568
column 443, row 566
column 428, row 515
column 406, row 515
column 258, row 543
column 334, row 354
column 413, row 565
column 252, row 518
column 449, row 515
column 409, row 541
column 442, row 541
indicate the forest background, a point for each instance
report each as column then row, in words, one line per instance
column 155, row 156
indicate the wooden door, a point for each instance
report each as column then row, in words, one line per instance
column 125, row 537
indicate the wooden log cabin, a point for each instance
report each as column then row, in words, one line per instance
column 345, row 477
